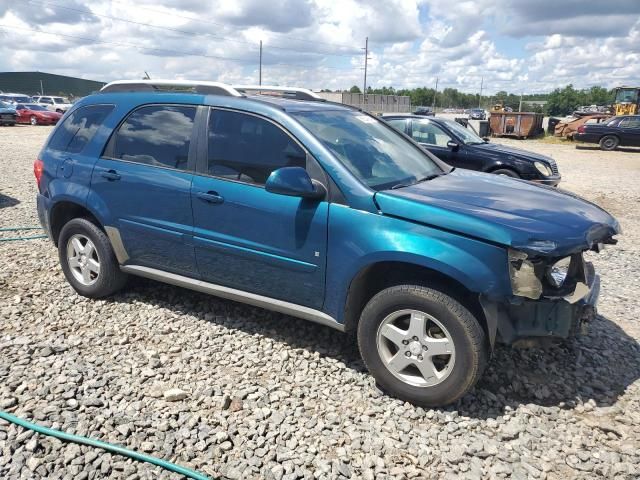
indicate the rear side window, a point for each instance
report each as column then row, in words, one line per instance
column 630, row 122
column 78, row 129
column 157, row 135
column 248, row 148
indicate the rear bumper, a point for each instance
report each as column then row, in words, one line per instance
column 546, row 317
column 585, row 137
column 43, row 205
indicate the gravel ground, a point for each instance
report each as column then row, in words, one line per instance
column 239, row 392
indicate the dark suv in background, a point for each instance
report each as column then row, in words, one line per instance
column 460, row 147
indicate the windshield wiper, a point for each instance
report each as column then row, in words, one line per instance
column 419, row 180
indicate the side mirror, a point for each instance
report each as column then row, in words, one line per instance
column 453, row 145
column 486, row 139
column 295, row 182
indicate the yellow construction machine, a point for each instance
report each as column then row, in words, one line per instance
column 627, row 101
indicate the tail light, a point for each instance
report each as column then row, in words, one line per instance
column 38, row 168
column 581, row 129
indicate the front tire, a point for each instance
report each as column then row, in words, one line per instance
column 33, row 120
column 609, row 142
column 88, row 261
column 421, row 345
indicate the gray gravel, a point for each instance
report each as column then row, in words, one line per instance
column 241, row 392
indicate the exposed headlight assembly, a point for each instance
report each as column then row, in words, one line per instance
column 557, row 273
column 524, row 281
column 543, row 168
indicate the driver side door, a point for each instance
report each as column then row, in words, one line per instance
column 248, row 238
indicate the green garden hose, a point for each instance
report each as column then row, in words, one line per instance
column 15, row 239
column 18, row 229
column 172, row 467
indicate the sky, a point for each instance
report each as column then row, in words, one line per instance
column 521, row 46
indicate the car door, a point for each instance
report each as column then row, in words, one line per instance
column 435, row 139
column 245, row 237
column 630, row 131
column 144, row 181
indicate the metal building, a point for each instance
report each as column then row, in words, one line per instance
column 32, row 83
column 370, row 102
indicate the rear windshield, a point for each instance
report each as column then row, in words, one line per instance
column 373, row 151
column 78, row 129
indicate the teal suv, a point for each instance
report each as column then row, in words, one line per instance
column 273, row 197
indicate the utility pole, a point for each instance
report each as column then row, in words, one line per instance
column 41, row 88
column 433, row 106
column 520, row 106
column 481, row 85
column 366, row 57
column 260, row 77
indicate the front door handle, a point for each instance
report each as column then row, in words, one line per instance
column 110, row 175
column 210, row 197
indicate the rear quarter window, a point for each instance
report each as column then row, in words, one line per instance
column 77, row 130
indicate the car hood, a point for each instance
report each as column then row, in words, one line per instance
column 7, row 110
column 532, row 218
column 489, row 148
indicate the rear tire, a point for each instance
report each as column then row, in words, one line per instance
column 421, row 345
column 88, row 261
column 609, row 142
column 506, row 172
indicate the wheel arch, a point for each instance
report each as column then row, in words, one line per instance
column 65, row 210
column 378, row 276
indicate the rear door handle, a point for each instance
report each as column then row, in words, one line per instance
column 110, row 175
column 210, row 197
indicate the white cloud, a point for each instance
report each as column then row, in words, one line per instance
column 514, row 45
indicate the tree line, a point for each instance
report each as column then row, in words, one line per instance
column 561, row 101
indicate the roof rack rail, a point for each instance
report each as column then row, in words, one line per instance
column 296, row 93
column 202, row 87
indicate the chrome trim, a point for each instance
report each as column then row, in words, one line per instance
column 116, row 243
column 236, row 295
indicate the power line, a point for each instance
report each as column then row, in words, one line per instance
column 93, row 41
column 182, row 32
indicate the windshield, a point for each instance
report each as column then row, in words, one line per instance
column 373, row 151
column 467, row 135
column 5, row 105
column 34, row 107
column 627, row 95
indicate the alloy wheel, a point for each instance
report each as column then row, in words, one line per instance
column 83, row 259
column 416, row 348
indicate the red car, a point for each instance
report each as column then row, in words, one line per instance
column 36, row 114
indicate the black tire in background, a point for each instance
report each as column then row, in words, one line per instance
column 469, row 340
column 609, row 142
column 111, row 278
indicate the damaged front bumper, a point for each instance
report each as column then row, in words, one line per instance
column 546, row 317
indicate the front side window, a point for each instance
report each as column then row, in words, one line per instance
column 467, row 135
column 374, row 152
column 247, row 148
column 78, row 129
column 46, row 100
column 424, row 131
column 157, row 135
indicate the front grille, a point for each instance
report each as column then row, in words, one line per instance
column 8, row 117
column 554, row 166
